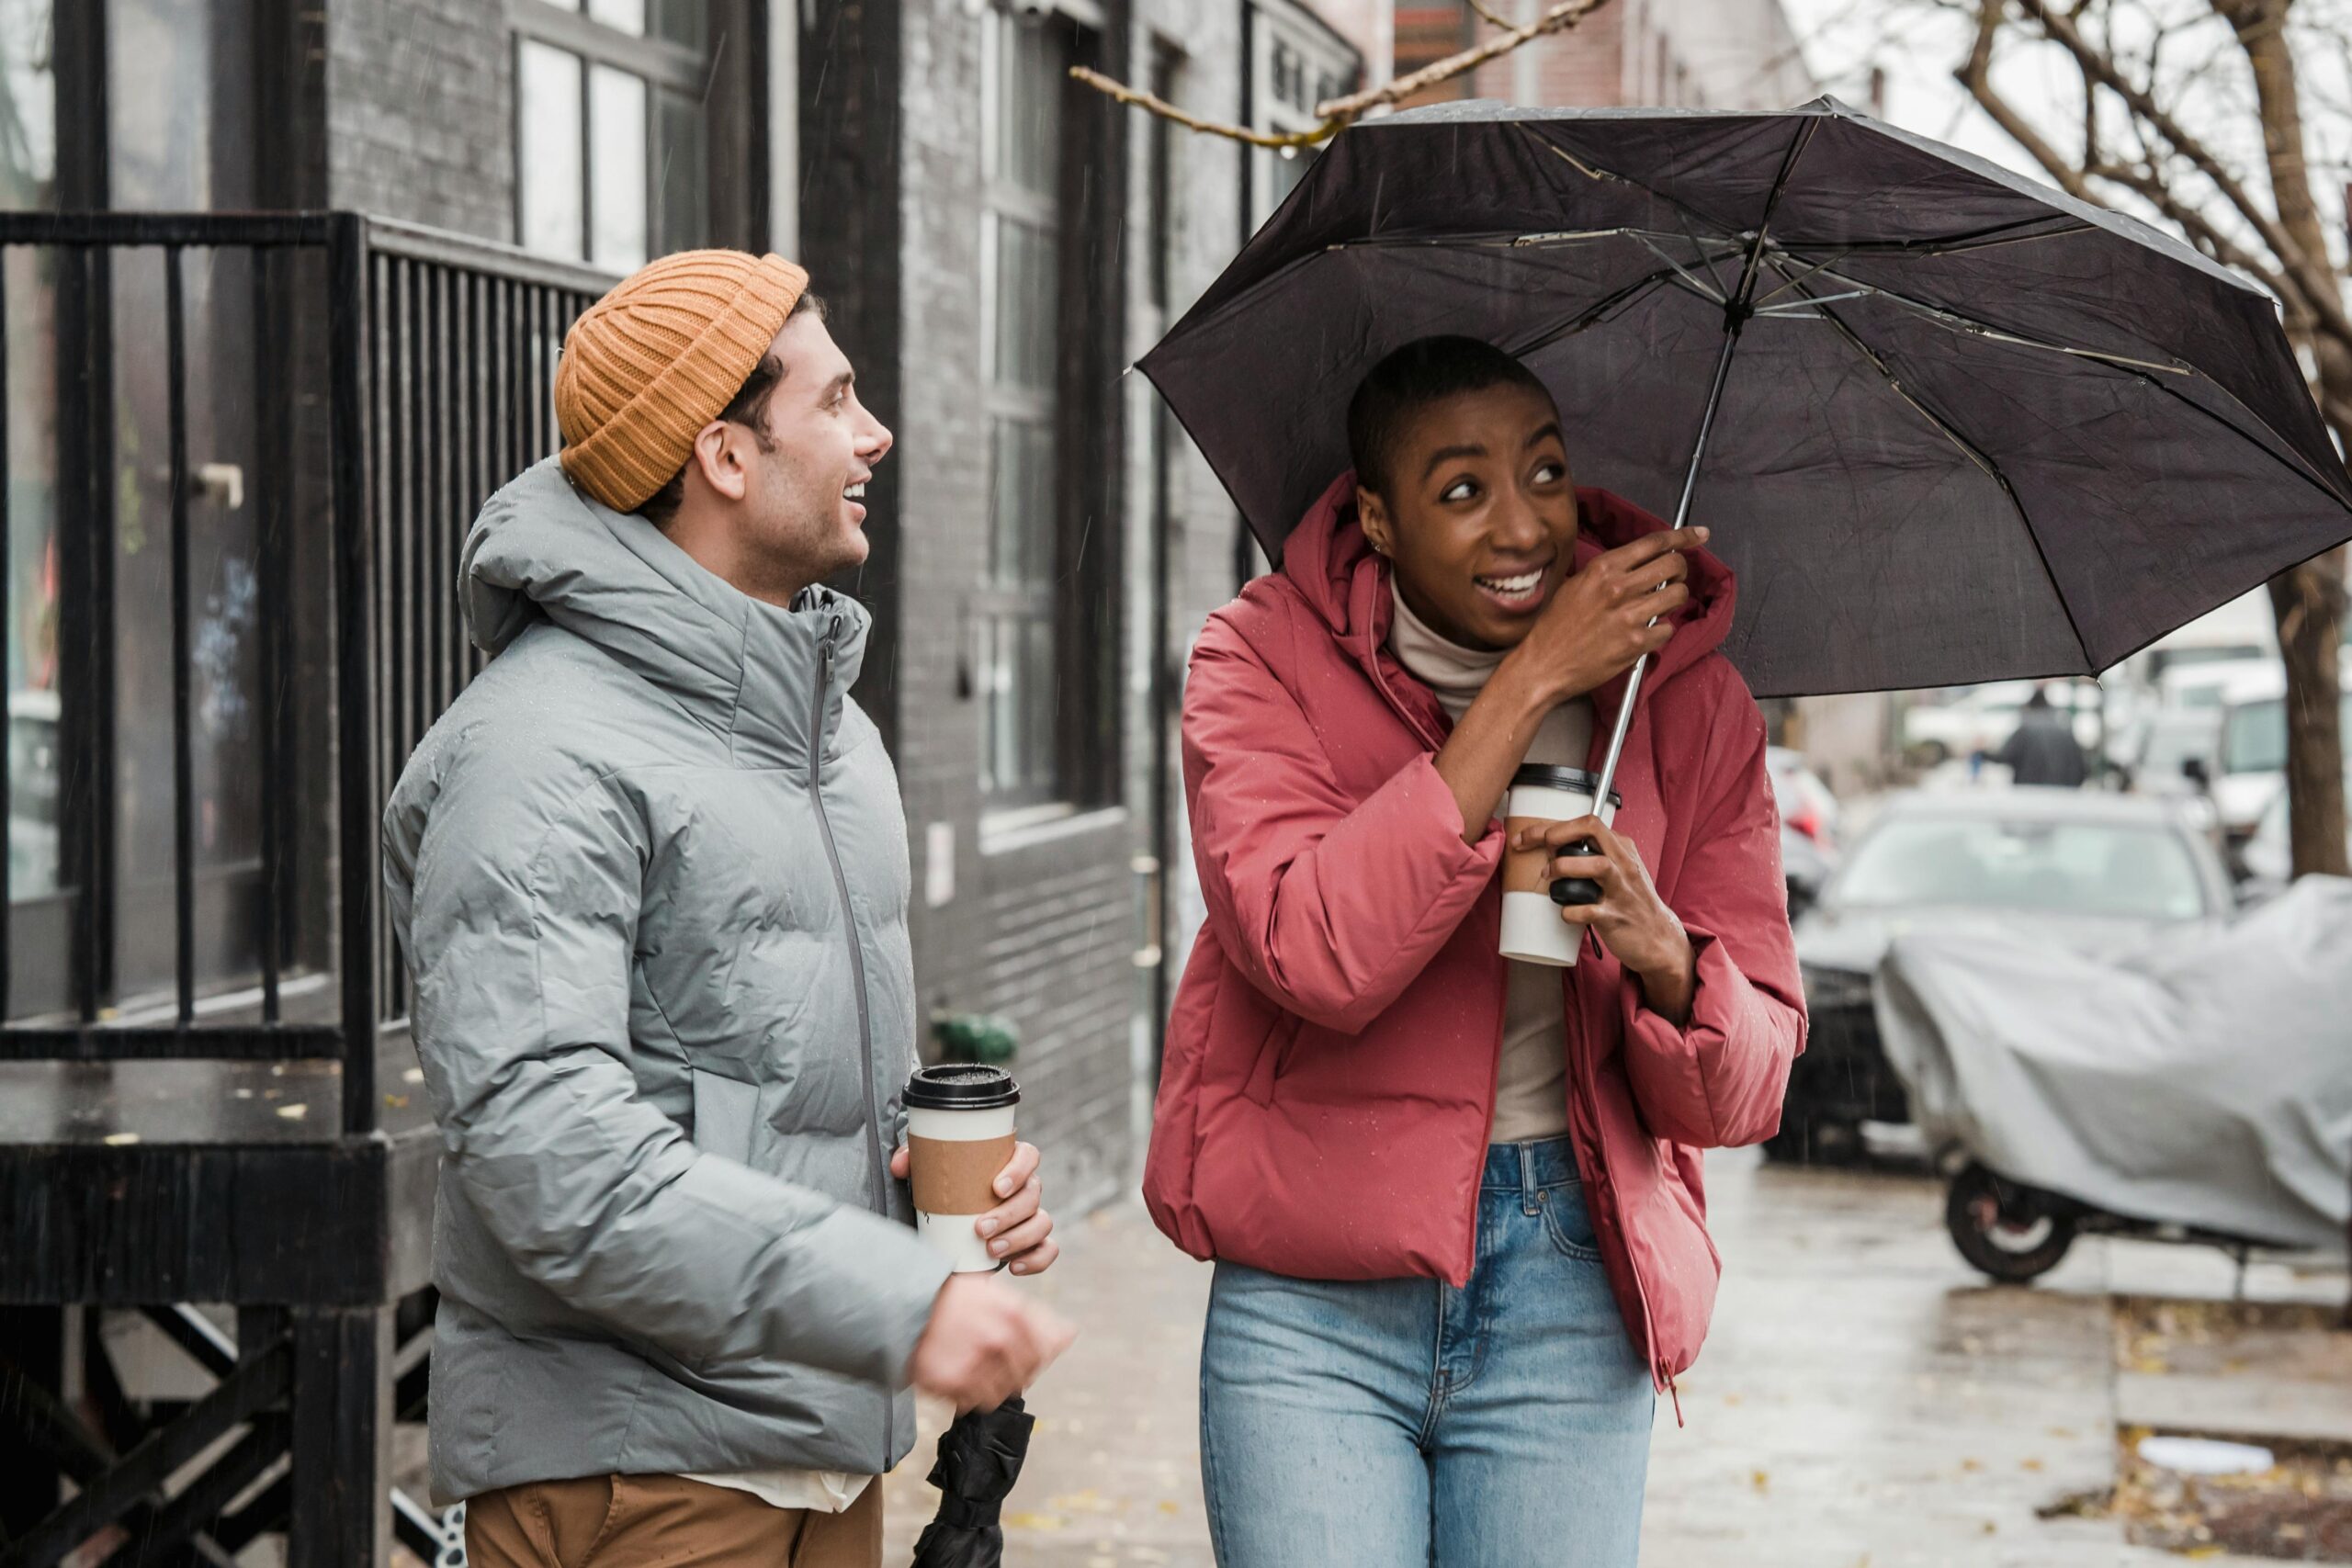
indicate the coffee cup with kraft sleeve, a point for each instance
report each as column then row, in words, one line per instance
column 960, row 1139
column 1540, row 794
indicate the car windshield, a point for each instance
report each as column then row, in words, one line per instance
column 2254, row 738
column 2070, row 868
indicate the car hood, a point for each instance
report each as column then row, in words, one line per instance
column 1855, row 939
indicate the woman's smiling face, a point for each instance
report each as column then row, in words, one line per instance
column 1477, row 513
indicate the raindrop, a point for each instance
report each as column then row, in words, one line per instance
column 1290, row 154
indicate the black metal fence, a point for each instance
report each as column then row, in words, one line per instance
column 377, row 381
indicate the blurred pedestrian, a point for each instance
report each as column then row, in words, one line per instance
column 649, row 874
column 2042, row 749
column 1455, row 1199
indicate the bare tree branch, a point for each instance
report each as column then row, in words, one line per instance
column 2316, row 286
column 1494, row 19
column 1335, row 115
column 1976, row 76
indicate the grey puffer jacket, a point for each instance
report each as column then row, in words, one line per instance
column 649, row 876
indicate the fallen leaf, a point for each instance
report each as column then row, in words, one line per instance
column 1971, row 1465
column 120, row 1140
column 293, row 1113
column 1043, row 1523
column 2031, row 1464
column 1761, row 1480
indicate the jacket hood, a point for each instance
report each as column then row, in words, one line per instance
column 544, row 550
column 1331, row 563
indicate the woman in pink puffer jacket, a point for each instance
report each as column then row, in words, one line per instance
column 1455, row 1201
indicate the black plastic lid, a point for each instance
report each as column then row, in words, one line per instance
column 1550, row 775
column 961, row 1086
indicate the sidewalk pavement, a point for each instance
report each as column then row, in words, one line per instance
column 1865, row 1402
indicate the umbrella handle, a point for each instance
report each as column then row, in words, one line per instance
column 1577, row 891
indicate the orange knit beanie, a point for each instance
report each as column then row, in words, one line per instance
column 647, row 365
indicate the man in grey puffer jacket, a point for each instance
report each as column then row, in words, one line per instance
column 649, row 875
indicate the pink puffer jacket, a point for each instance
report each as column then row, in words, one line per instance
column 1331, row 1053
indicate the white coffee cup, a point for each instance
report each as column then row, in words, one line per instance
column 1533, row 931
column 960, row 1138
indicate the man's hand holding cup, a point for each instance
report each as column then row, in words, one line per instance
column 1018, row 1231
column 978, row 1199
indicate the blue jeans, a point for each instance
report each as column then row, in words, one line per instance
column 1403, row 1422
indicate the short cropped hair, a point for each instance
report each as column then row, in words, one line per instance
column 748, row 407
column 1425, row 371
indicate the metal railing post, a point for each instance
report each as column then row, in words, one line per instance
column 353, row 553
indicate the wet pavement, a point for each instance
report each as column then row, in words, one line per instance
column 1865, row 1400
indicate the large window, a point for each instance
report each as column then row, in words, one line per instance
column 612, row 134
column 1026, row 68
column 1052, row 300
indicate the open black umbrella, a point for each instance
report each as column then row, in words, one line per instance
column 979, row 1458
column 1948, row 424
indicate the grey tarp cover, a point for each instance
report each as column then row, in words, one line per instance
column 1976, row 429
column 2197, row 1077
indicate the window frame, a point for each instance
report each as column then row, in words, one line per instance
column 663, row 66
column 1077, row 599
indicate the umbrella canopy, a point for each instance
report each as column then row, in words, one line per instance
column 1958, row 425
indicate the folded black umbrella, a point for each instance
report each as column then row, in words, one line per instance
column 979, row 1459
column 1947, row 424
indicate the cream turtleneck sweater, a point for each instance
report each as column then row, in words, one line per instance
column 1532, row 1087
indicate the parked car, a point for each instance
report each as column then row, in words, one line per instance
column 2267, row 859
column 2253, row 754
column 2085, row 869
column 1981, row 718
column 1808, row 825
column 2178, row 748
column 2205, row 683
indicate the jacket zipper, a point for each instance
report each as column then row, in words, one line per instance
column 878, row 1170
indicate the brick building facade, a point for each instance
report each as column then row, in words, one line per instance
column 997, row 244
column 1674, row 53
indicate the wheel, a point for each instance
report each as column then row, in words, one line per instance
column 2007, row 1232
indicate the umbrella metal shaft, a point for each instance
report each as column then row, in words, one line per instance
column 1736, row 313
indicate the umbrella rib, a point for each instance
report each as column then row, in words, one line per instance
column 1592, row 172
column 1576, row 324
column 2136, row 368
column 1960, row 244
column 1975, row 453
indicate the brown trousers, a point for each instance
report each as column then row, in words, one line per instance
column 637, row 1521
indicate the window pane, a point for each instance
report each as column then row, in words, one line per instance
column 1030, row 100
column 1022, row 505
column 683, row 167
column 548, row 150
column 683, row 21
column 616, row 191
column 161, row 125
column 1041, row 701
column 1027, row 312
column 627, row 15
column 27, row 105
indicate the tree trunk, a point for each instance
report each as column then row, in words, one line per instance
column 2309, row 603
column 2309, row 600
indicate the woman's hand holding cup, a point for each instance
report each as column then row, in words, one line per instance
column 1632, row 921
